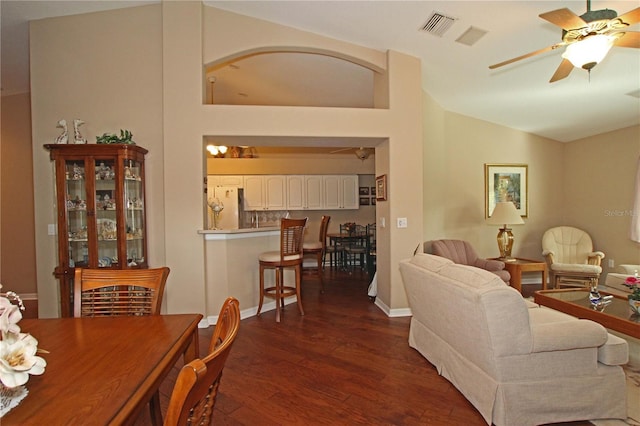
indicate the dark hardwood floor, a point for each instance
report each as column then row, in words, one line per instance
column 344, row 362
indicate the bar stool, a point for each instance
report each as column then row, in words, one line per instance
column 318, row 248
column 289, row 256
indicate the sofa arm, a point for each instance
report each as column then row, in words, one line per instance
column 566, row 335
column 489, row 264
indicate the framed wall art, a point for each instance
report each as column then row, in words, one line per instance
column 506, row 182
column 364, row 201
column 364, row 190
column 381, row 188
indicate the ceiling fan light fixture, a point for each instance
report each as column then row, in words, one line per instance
column 588, row 53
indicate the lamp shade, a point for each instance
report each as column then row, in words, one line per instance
column 505, row 213
column 588, row 53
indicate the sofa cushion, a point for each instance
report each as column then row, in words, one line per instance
column 614, row 352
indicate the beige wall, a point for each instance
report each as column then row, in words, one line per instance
column 599, row 174
column 106, row 69
column 147, row 77
column 455, row 154
column 18, row 255
column 587, row 183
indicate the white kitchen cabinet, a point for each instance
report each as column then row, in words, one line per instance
column 265, row 192
column 225, row 180
column 304, row 192
column 340, row 192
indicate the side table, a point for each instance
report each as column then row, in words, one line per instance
column 518, row 266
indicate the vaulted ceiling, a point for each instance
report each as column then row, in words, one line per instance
column 455, row 75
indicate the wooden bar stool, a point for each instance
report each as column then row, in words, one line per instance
column 289, row 256
column 317, row 248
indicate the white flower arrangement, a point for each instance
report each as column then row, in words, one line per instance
column 17, row 350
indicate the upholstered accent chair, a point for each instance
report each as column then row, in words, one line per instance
column 462, row 252
column 570, row 257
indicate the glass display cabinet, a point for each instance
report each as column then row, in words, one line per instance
column 100, row 204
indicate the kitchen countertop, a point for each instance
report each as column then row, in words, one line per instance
column 228, row 234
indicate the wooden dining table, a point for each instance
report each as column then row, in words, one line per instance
column 102, row 370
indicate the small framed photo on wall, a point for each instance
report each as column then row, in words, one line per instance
column 364, row 201
column 381, row 188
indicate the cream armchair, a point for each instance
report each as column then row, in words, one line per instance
column 570, row 257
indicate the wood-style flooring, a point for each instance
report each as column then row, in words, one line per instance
column 343, row 363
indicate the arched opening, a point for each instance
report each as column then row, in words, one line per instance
column 289, row 78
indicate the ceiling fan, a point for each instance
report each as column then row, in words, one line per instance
column 362, row 153
column 588, row 37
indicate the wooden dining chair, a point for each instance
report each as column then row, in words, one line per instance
column 317, row 249
column 289, row 256
column 194, row 393
column 110, row 292
column 121, row 292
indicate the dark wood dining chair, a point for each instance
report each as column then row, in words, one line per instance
column 121, row 292
column 109, row 292
column 196, row 388
column 289, row 256
column 317, row 249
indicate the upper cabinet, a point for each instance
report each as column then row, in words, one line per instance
column 341, row 192
column 100, row 210
column 299, row 192
column 304, row 192
column 265, row 192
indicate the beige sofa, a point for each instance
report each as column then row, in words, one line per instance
column 516, row 362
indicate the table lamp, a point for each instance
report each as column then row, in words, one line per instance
column 505, row 214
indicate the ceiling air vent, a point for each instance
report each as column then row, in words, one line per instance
column 438, row 24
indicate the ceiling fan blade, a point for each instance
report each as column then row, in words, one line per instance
column 564, row 18
column 340, row 150
column 629, row 39
column 631, row 17
column 528, row 55
column 563, row 70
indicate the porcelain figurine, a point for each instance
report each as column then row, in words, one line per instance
column 76, row 132
column 64, row 137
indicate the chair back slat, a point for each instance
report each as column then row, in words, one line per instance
column 291, row 237
column 118, row 292
column 196, row 388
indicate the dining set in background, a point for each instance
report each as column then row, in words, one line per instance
column 353, row 248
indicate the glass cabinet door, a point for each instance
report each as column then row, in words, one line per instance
column 76, row 207
column 134, row 212
column 106, row 217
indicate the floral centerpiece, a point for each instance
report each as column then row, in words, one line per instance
column 633, row 283
column 17, row 353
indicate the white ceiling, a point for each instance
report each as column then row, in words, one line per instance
column 455, row 75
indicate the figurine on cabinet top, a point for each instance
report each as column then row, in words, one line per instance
column 76, row 132
column 64, row 136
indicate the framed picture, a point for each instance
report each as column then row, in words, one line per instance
column 373, row 200
column 373, row 191
column 381, row 188
column 506, row 182
column 364, row 201
column 364, row 190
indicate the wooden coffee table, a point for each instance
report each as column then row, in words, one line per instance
column 616, row 316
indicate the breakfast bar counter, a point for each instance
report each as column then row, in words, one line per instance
column 231, row 266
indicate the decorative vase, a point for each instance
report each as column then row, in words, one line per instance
column 635, row 305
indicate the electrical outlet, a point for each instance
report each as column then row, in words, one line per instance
column 51, row 229
column 612, row 263
column 402, row 222
column 383, row 222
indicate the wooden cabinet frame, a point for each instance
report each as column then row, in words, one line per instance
column 117, row 240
